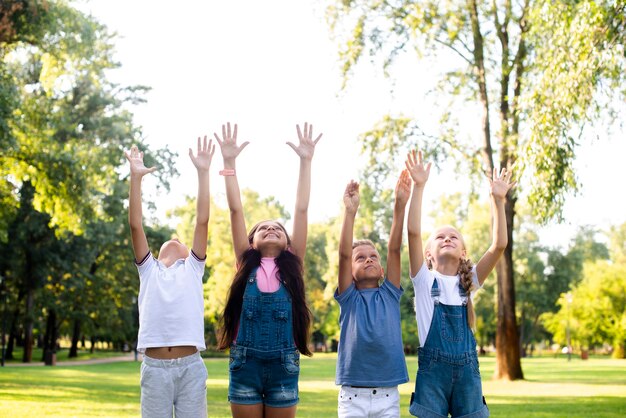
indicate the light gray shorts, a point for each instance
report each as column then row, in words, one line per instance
column 173, row 385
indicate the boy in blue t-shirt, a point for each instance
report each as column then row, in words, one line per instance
column 370, row 362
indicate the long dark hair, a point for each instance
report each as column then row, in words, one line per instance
column 292, row 276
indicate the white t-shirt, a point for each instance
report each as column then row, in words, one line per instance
column 171, row 303
column 449, row 295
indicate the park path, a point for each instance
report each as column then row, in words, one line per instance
column 127, row 357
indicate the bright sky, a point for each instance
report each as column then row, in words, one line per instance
column 270, row 65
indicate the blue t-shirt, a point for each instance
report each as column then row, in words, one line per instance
column 370, row 344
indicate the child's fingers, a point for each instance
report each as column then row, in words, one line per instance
column 299, row 131
column 317, row 139
column 235, row 132
column 217, row 138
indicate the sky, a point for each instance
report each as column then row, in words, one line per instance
column 268, row 66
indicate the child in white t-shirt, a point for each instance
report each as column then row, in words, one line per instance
column 448, row 377
column 171, row 302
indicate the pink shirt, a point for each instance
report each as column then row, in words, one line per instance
column 267, row 275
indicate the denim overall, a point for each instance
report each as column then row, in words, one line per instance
column 264, row 362
column 448, row 378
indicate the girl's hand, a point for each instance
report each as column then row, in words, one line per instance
column 351, row 197
column 202, row 160
column 135, row 158
column 500, row 184
column 403, row 188
column 306, row 147
column 228, row 143
column 415, row 165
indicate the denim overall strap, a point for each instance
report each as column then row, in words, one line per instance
column 449, row 333
column 448, row 378
column 266, row 318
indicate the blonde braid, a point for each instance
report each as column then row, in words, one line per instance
column 466, row 276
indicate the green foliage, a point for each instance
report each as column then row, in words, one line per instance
column 577, row 68
column 595, row 310
column 63, row 129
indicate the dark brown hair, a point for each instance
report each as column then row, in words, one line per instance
column 292, row 276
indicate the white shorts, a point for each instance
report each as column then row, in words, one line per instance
column 173, row 385
column 381, row 402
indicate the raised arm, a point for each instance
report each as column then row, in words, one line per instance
column 351, row 201
column 135, row 213
column 499, row 186
column 230, row 151
column 202, row 162
column 419, row 174
column 403, row 191
column 305, row 150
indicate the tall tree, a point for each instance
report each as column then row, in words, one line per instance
column 537, row 71
column 62, row 140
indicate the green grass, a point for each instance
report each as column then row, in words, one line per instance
column 62, row 355
column 553, row 388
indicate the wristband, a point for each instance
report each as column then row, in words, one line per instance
column 227, row 172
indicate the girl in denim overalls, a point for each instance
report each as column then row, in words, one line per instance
column 266, row 319
column 448, row 378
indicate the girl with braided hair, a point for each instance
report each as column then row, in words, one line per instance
column 448, row 378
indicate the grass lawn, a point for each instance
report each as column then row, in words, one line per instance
column 553, row 388
column 63, row 353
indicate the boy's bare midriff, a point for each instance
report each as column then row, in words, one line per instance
column 168, row 353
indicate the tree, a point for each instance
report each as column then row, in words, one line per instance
column 63, row 130
column 597, row 311
column 536, row 70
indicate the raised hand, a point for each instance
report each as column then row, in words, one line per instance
column 415, row 165
column 351, row 197
column 204, row 155
column 135, row 158
column 403, row 188
column 228, row 143
column 306, row 147
column 500, row 184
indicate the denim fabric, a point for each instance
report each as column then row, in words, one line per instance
column 448, row 377
column 264, row 362
column 264, row 377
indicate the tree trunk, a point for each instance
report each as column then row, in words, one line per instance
column 508, row 363
column 47, row 335
column 28, row 327
column 75, row 338
column 12, row 335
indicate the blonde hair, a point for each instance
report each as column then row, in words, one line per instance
column 465, row 279
column 361, row 242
